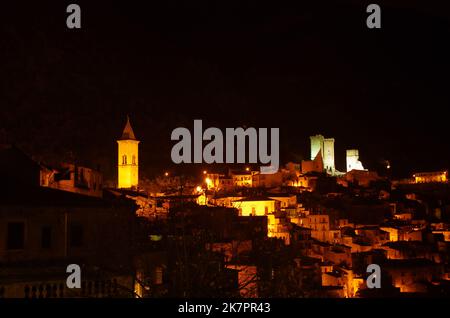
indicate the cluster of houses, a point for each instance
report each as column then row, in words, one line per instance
column 305, row 231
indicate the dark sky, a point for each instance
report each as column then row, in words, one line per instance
column 305, row 67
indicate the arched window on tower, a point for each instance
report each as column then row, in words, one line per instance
column 124, row 159
column 134, row 159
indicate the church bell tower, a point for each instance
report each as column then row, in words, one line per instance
column 128, row 164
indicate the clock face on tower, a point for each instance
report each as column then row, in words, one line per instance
column 226, row 155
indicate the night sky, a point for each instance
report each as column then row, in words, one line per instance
column 305, row 68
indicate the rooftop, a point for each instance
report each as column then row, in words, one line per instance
column 128, row 133
column 255, row 198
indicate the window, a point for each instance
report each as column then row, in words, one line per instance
column 15, row 236
column 76, row 235
column 158, row 275
column 124, row 159
column 266, row 210
column 253, row 211
column 134, row 159
column 46, row 237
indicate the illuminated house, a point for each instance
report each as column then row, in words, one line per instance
column 242, row 179
column 402, row 233
column 428, row 177
column 264, row 206
column 372, row 235
column 73, row 178
column 320, row 227
column 298, row 182
column 128, row 165
column 279, row 227
column 256, row 206
column 286, row 200
column 212, row 180
column 225, row 200
column 68, row 177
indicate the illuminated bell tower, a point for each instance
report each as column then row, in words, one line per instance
column 128, row 164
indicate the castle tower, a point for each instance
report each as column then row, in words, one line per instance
column 328, row 155
column 353, row 162
column 324, row 146
column 128, row 164
column 316, row 146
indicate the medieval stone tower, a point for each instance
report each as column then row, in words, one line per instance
column 326, row 148
column 128, row 164
column 353, row 162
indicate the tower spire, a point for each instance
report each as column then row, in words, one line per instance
column 128, row 133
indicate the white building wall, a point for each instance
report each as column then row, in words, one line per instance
column 353, row 162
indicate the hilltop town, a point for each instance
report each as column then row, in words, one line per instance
column 308, row 230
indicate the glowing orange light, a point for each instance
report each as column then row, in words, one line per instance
column 204, row 171
column 166, row 174
column 247, row 169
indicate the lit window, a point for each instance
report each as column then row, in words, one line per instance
column 134, row 159
column 158, row 275
column 124, row 159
